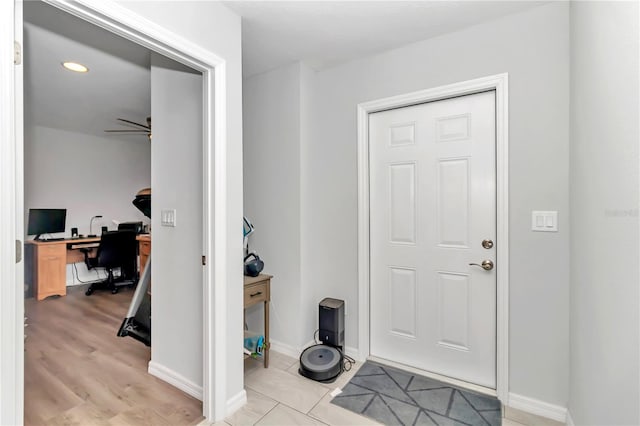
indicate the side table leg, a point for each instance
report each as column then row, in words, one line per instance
column 267, row 343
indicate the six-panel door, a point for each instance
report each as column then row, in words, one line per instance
column 432, row 203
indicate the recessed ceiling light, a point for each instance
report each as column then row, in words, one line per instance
column 74, row 66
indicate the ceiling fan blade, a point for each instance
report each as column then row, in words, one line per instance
column 134, row 123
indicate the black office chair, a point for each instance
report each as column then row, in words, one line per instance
column 117, row 249
column 131, row 226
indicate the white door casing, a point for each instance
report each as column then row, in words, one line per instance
column 432, row 189
column 119, row 20
column 499, row 83
column 12, row 289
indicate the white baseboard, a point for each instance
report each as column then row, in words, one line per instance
column 570, row 419
column 285, row 349
column 537, row 407
column 236, row 402
column 353, row 353
column 306, row 345
column 175, row 379
column 293, row 352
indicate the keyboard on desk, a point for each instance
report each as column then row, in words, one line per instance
column 76, row 246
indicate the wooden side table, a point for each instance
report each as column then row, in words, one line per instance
column 256, row 290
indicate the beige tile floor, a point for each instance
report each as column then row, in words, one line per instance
column 278, row 395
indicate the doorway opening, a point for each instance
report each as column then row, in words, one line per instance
column 213, row 96
column 75, row 159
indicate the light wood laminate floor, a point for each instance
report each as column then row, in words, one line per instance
column 78, row 372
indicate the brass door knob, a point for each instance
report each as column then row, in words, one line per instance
column 487, row 265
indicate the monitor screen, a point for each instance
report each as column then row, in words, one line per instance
column 46, row 221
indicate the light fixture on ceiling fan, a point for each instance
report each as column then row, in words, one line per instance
column 139, row 128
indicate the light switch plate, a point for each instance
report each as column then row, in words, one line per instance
column 168, row 217
column 544, row 221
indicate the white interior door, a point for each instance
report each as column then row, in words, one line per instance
column 432, row 204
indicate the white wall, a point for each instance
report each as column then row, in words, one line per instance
column 272, row 193
column 277, row 119
column 309, row 297
column 604, row 214
column 213, row 27
column 176, row 182
column 533, row 47
column 87, row 175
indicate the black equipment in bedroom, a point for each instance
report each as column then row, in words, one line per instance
column 143, row 201
column 137, row 227
column 137, row 323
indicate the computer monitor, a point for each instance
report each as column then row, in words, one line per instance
column 46, row 221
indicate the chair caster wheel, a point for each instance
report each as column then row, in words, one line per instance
column 114, row 291
column 89, row 292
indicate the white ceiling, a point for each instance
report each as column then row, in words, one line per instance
column 325, row 33
column 116, row 86
column 275, row 33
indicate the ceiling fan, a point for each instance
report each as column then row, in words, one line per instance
column 136, row 128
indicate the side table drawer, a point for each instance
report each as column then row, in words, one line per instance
column 254, row 293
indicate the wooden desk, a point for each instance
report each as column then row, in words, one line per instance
column 256, row 290
column 45, row 264
column 144, row 249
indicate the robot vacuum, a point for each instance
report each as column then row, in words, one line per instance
column 322, row 363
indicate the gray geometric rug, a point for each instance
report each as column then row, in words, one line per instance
column 395, row 397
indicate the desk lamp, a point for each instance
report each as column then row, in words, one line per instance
column 91, row 234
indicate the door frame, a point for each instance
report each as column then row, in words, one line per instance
column 121, row 21
column 499, row 83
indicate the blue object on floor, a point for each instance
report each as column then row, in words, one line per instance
column 254, row 343
column 396, row 397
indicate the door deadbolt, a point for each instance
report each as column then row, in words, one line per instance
column 487, row 244
column 487, row 265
